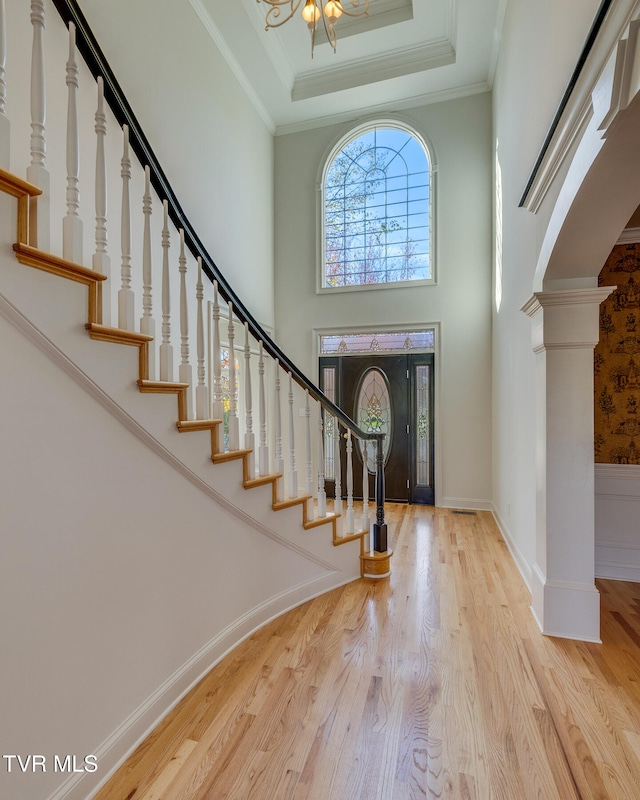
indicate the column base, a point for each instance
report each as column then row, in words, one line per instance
column 375, row 565
column 566, row 610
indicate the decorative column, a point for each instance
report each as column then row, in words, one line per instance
column 564, row 597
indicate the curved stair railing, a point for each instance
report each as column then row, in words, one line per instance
column 201, row 407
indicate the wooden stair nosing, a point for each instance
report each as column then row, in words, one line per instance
column 308, row 524
column 229, row 455
column 102, row 333
column 352, row 537
column 161, row 387
column 187, row 425
column 290, row 502
column 262, row 480
column 17, row 187
column 32, row 257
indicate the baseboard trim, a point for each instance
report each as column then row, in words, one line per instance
column 619, row 561
column 115, row 750
column 466, row 503
column 516, row 553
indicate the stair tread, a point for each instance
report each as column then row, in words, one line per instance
column 17, row 187
column 352, row 537
column 317, row 521
column 262, row 480
column 186, row 425
column 161, row 386
column 32, row 257
column 117, row 335
column 291, row 501
column 229, row 455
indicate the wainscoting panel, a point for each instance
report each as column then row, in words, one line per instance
column 617, row 520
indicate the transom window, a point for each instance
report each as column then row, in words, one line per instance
column 377, row 210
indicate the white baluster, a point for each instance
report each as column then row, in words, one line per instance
column 322, row 495
column 5, row 127
column 126, row 300
column 263, row 453
column 293, row 472
column 365, row 524
column 308, row 466
column 101, row 262
column 249, row 438
column 185, row 373
column 234, row 422
column 147, row 322
column 202, row 391
column 37, row 173
column 72, row 224
column 278, row 465
column 166, row 349
column 349, row 520
column 218, row 407
column 337, row 469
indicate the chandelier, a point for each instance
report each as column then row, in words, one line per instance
column 329, row 11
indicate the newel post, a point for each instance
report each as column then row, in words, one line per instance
column 379, row 526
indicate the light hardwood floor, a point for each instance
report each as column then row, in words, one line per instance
column 434, row 683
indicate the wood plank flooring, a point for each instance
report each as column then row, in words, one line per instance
column 435, row 683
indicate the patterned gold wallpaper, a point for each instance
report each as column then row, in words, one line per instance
column 617, row 361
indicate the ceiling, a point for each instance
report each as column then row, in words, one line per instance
column 403, row 53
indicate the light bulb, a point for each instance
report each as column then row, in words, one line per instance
column 333, row 9
column 311, row 12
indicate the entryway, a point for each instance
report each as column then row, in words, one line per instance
column 391, row 394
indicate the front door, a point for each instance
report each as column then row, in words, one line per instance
column 392, row 394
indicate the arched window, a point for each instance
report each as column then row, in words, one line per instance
column 377, row 209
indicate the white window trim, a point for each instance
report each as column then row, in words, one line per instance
column 353, row 133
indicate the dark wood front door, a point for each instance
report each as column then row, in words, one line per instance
column 393, row 394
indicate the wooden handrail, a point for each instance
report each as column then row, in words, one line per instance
column 98, row 65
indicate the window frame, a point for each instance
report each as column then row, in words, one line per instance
column 352, row 134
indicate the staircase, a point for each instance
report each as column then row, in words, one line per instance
column 135, row 556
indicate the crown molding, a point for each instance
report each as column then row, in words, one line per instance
column 629, row 236
column 394, row 64
column 418, row 101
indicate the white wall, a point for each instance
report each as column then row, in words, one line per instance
column 213, row 145
column 541, row 44
column 459, row 132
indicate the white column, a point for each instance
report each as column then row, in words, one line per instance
column 37, row 173
column 249, row 438
column 126, row 300
column 217, row 407
column 166, row 349
column 5, row 127
column 147, row 322
column 263, row 453
column 185, row 372
column 564, row 597
column 72, row 224
column 234, row 422
column 202, row 392
column 101, row 262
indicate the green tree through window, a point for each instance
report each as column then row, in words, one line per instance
column 377, row 210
